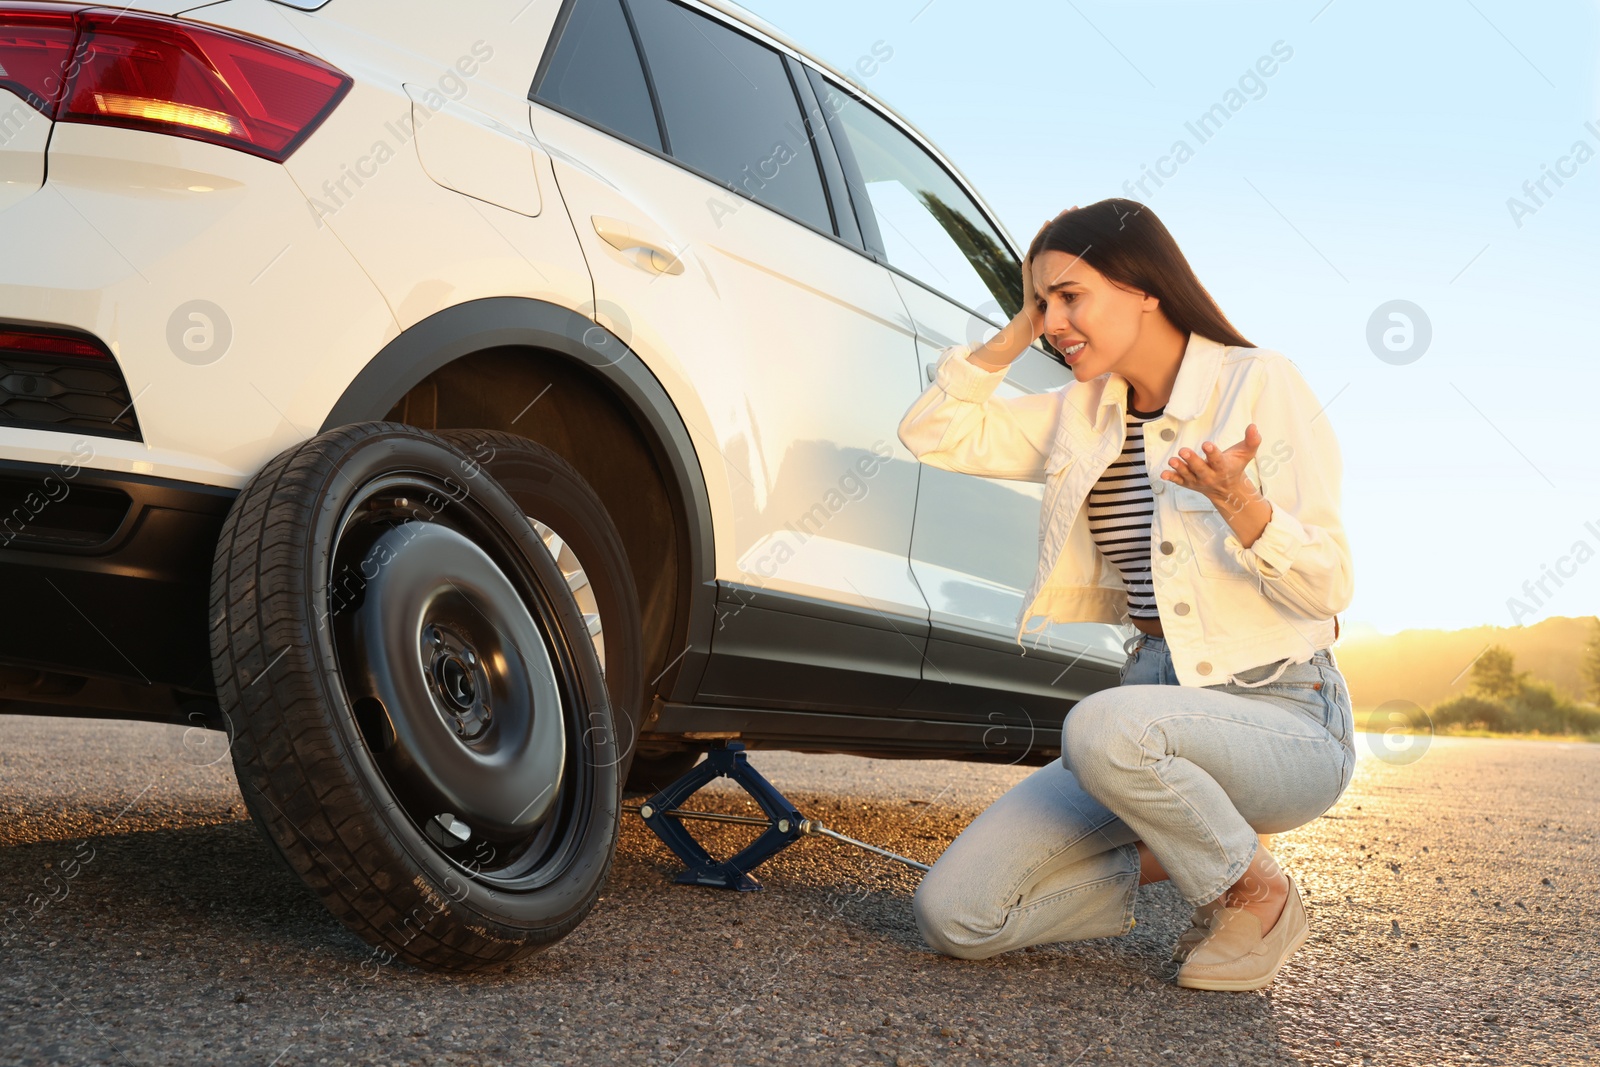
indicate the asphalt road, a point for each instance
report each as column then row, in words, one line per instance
column 1453, row 905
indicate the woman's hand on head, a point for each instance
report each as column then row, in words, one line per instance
column 1219, row 472
column 1030, row 298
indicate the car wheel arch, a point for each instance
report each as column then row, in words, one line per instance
column 517, row 335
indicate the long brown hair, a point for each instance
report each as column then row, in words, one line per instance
column 1125, row 241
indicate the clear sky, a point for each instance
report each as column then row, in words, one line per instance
column 1375, row 164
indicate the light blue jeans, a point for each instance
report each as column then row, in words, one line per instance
column 1196, row 773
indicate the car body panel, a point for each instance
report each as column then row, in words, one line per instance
column 24, row 135
column 473, row 154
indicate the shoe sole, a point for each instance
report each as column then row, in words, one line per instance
column 1240, row 984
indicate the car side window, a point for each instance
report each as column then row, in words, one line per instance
column 928, row 227
column 595, row 72
column 730, row 110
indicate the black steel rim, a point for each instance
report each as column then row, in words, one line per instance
column 478, row 643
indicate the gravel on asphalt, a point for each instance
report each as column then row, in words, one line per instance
column 1452, row 901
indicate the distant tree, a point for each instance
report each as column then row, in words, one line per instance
column 1494, row 676
column 1591, row 663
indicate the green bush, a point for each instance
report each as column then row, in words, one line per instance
column 1471, row 711
column 1536, row 707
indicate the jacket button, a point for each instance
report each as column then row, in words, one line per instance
column 1202, row 667
column 1167, row 433
column 1166, row 548
column 1181, row 608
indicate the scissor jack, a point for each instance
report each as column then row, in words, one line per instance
column 785, row 825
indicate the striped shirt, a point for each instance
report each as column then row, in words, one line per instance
column 1120, row 506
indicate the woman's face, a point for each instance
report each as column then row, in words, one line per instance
column 1081, row 306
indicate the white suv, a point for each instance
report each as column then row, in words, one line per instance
column 471, row 407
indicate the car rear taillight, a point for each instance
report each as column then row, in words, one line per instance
column 147, row 72
column 45, row 343
column 36, row 52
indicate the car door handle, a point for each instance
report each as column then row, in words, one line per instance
column 657, row 253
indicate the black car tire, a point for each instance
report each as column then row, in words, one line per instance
column 403, row 665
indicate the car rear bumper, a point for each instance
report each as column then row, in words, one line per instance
column 107, row 580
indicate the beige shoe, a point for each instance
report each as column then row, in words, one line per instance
column 1199, row 922
column 1199, row 926
column 1233, row 954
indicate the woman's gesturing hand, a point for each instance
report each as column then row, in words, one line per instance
column 1219, row 473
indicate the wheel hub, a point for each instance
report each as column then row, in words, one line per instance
column 457, row 678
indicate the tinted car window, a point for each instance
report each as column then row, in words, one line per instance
column 730, row 109
column 595, row 72
column 929, row 228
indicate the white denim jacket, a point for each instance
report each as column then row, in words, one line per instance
column 1224, row 608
